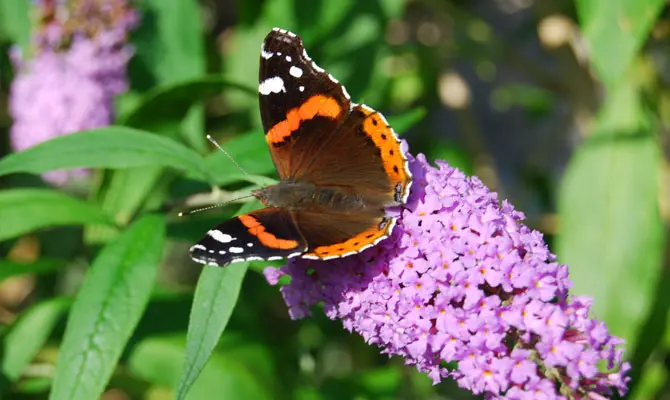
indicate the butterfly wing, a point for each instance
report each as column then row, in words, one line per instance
column 266, row 234
column 301, row 105
column 316, row 134
column 332, row 235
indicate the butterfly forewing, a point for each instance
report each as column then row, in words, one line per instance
column 301, row 104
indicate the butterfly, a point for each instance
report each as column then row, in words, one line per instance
column 340, row 165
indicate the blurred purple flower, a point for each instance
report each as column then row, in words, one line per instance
column 78, row 67
column 463, row 289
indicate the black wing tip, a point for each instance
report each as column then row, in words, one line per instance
column 283, row 35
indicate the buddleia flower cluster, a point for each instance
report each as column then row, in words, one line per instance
column 463, row 289
column 77, row 65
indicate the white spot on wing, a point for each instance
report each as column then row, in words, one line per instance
column 273, row 258
column 271, row 85
column 301, row 88
column 250, row 244
column 295, row 71
column 236, row 250
column 288, row 58
column 220, row 236
column 198, row 247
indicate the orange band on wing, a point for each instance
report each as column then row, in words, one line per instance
column 354, row 245
column 318, row 105
column 266, row 238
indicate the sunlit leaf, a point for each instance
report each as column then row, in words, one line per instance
column 614, row 31
column 112, row 147
column 213, row 304
column 611, row 233
column 26, row 210
column 107, row 310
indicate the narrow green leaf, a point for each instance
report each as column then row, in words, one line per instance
column 107, row 310
column 112, row 147
column 25, row 210
column 614, row 31
column 41, row 266
column 213, row 304
column 178, row 98
column 122, row 197
column 33, row 386
column 403, row 122
column 29, row 334
column 611, row 232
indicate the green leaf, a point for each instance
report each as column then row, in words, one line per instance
column 12, row 268
column 176, row 52
column 614, row 31
column 122, row 197
column 156, row 360
column 178, row 98
column 112, row 147
column 29, row 334
column 25, row 210
column 402, row 123
column 107, row 310
column 611, row 232
column 127, row 190
column 213, row 304
column 15, row 22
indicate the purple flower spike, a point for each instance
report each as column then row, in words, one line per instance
column 78, row 68
column 462, row 283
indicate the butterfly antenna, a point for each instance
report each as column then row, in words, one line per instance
column 218, row 146
column 217, row 205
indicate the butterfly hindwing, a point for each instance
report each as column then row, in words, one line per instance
column 335, row 234
column 266, row 234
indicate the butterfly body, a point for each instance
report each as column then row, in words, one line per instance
column 307, row 196
column 340, row 165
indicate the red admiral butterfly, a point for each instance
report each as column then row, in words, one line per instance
column 340, row 164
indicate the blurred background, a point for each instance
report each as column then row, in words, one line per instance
column 561, row 107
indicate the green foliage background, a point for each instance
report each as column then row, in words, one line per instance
column 563, row 107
